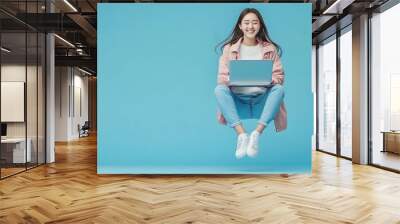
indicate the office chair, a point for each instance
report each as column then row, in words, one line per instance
column 84, row 130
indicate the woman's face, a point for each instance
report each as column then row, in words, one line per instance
column 250, row 25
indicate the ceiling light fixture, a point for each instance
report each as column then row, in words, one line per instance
column 64, row 40
column 333, row 6
column 84, row 71
column 337, row 7
column 5, row 50
column 79, row 51
column 70, row 5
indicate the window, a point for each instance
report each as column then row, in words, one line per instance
column 327, row 95
column 346, row 92
column 385, row 88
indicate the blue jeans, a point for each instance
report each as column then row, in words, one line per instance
column 235, row 107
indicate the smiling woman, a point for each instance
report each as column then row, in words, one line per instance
column 250, row 41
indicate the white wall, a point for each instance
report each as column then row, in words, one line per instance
column 62, row 81
column 13, row 101
column 33, row 127
column 12, row 73
column 80, row 105
column 71, row 93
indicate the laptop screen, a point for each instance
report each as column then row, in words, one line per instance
column 250, row 70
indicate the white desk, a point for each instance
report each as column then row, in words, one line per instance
column 19, row 149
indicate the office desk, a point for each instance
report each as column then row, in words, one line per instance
column 16, row 147
column 391, row 141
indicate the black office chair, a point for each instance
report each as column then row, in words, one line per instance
column 84, row 130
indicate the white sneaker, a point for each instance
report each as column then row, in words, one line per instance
column 252, row 147
column 241, row 145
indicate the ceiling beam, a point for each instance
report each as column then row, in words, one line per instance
column 86, row 26
column 83, row 61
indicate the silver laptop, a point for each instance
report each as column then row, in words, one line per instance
column 250, row 72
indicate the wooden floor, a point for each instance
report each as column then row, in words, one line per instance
column 5, row 172
column 70, row 191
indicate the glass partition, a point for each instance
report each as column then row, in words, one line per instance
column 14, row 153
column 22, row 77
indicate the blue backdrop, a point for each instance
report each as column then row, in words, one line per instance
column 157, row 71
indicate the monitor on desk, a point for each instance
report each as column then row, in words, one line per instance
column 3, row 130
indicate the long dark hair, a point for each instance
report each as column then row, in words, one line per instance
column 237, row 33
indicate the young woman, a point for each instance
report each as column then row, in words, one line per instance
column 249, row 40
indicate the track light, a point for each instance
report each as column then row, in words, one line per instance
column 84, row 71
column 338, row 6
column 5, row 50
column 70, row 5
column 64, row 40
